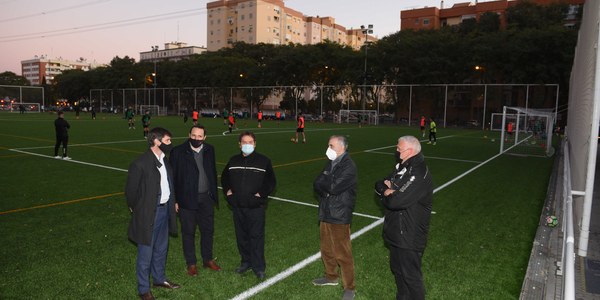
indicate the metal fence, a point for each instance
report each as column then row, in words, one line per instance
column 449, row 104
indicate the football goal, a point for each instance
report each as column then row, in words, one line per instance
column 27, row 107
column 154, row 110
column 359, row 115
column 526, row 131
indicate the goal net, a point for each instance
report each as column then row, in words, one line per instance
column 526, row 131
column 154, row 110
column 358, row 116
column 25, row 107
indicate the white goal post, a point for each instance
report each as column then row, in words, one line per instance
column 154, row 110
column 526, row 131
column 358, row 115
column 28, row 107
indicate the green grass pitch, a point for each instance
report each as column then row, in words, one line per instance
column 64, row 222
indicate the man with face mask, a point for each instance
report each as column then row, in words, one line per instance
column 407, row 195
column 336, row 188
column 149, row 194
column 247, row 180
column 195, row 180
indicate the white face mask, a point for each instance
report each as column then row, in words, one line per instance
column 330, row 154
column 247, row 149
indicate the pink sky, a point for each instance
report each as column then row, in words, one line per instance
column 41, row 27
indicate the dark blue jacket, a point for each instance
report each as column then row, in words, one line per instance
column 185, row 174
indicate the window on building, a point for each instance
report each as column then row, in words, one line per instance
column 417, row 21
column 426, row 22
column 242, row 17
column 250, row 16
column 242, row 28
column 276, row 18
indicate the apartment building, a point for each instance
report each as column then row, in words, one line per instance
column 174, row 51
column 40, row 67
column 435, row 18
column 271, row 22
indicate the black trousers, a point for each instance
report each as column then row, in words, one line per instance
column 432, row 136
column 406, row 267
column 64, row 140
column 204, row 218
column 250, row 234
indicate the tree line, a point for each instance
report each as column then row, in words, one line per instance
column 535, row 47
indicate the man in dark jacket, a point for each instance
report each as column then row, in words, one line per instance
column 195, row 182
column 149, row 193
column 61, row 127
column 336, row 187
column 247, row 181
column 407, row 195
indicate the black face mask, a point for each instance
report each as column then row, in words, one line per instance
column 397, row 156
column 166, row 149
column 196, row 143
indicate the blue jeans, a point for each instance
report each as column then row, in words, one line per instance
column 153, row 257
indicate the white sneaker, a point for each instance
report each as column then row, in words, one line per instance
column 57, row 157
column 66, row 158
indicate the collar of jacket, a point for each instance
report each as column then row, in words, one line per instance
column 415, row 160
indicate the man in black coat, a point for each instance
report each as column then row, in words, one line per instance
column 407, row 196
column 195, row 181
column 248, row 180
column 61, row 127
column 336, row 187
column 149, row 193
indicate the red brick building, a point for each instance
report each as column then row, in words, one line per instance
column 435, row 18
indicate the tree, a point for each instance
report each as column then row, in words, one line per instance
column 10, row 78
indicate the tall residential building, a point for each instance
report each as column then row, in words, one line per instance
column 270, row 22
column 435, row 18
column 174, row 51
column 41, row 68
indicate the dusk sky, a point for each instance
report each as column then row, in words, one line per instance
column 99, row 30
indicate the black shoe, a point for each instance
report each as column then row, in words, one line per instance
column 260, row 275
column 242, row 268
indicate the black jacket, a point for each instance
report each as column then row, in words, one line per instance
column 246, row 176
column 61, row 126
column 185, row 174
column 408, row 209
column 337, row 191
column 142, row 192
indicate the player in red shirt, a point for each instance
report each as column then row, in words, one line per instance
column 260, row 117
column 300, row 128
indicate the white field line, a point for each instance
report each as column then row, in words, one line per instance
column 293, row 269
column 433, row 157
column 375, row 149
column 71, row 160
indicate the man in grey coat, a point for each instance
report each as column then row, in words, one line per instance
column 336, row 187
column 149, row 192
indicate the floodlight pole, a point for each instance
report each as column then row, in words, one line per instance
column 365, row 30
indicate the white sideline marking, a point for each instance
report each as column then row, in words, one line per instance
column 71, row 160
column 375, row 149
column 314, row 205
column 433, row 157
column 297, row 267
column 284, row 130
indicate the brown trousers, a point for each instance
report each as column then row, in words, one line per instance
column 336, row 250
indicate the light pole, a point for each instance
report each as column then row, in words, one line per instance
column 154, row 49
column 366, row 30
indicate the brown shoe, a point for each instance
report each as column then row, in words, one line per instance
column 147, row 296
column 167, row 285
column 211, row 264
column 192, row 270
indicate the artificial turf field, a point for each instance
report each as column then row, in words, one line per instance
column 64, row 223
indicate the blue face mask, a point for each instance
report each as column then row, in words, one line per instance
column 247, row 149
